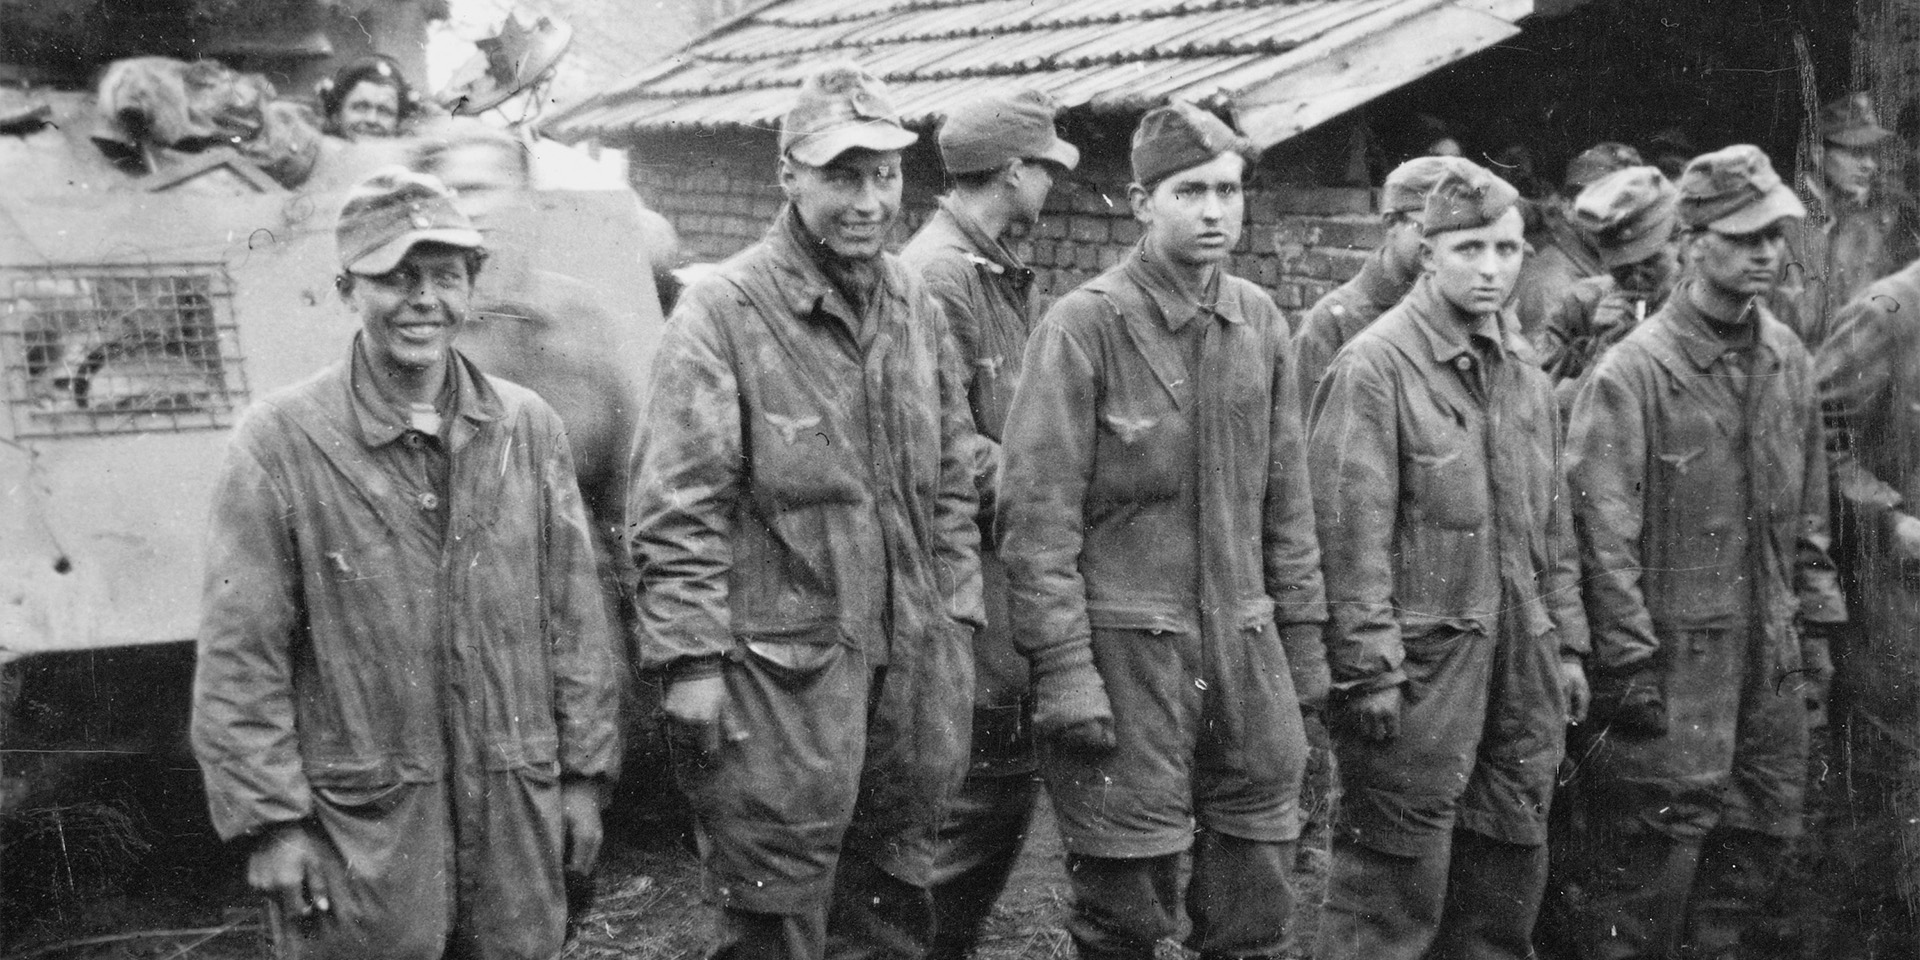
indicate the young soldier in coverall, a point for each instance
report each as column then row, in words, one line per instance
column 1700, row 489
column 1563, row 251
column 805, row 523
column 405, row 698
column 1166, row 583
column 1386, row 276
column 1001, row 150
column 1456, row 629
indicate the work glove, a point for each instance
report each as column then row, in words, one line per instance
column 1071, row 711
column 1573, row 683
column 1307, row 663
column 1630, row 701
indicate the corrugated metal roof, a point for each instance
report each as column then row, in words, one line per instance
column 1104, row 55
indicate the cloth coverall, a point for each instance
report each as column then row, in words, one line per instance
column 1700, row 491
column 404, row 644
column 1561, row 257
column 805, row 523
column 1159, row 541
column 983, row 289
column 1449, row 567
column 1839, row 248
column 1345, row 311
column 1869, row 374
column 1595, row 314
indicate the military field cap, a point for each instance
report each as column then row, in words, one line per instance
column 1851, row 122
column 1628, row 213
column 390, row 211
column 839, row 108
column 987, row 131
column 1734, row 190
column 1180, row 136
column 1597, row 161
column 1465, row 199
column 1407, row 186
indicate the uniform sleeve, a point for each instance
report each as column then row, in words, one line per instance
column 243, row 727
column 1606, row 469
column 1854, row 368
column 1314, row 346
column 1558, row 339
column 1049, row 447
column 580, row 638
column 957, row 509
column 1562, row 587
column 689, row 460
column 1354, row 458
column 1292, row 545
column 963, row 325
column 1816, row 582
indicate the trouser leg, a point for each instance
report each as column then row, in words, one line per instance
column 1239, row 898
column 1381, row 906
column 874, row 914
column 1636, row 890
column 747, row 935
column 1735, row 880
column 978, row 846
column 1122, row 907
column 1493, row 897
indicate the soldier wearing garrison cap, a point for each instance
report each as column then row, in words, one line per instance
column 1165, row 580
column 1456, row 629
column 1633, row 217
column 1004, row 157
column 1563, row 253
column 1699, row 478
column 1858, row 228
column 1383, row 279
column 804, row 517
column 369, row 524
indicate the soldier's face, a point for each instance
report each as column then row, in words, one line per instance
column 1849, row 169
column 409, row 314
column 1741, row 264
column 1475, row 269
column 850, row 202
column 1403, row 241
column 1651, row 276
column 370, row 110
column 1031, row 181
column 1194, row 216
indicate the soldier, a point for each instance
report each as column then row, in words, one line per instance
column 1004, row 157
column 1632, row 215
column 1562, row 252
column 1456, row 634
column 406, row 696
column 1165, row 579
column 1700, row 489
column 1854, row 232
column 1869, row 373
column 804, row 520
column 1386, row 276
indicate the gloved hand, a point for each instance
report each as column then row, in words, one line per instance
column 693, row 706
column 1374, row 715
column 1630, row 700
column 1573, row 682
column 1071, row 711
column 1906, row 537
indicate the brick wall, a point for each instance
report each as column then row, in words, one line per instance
column 1299, row 241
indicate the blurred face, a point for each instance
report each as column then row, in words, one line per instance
column 485, row 178
column 1849, row 170
column 1031, row 181
column 1475, row 269
column 1653, row 276
column 1403, row 242
column 850, row 202
column 1740, row 264
column 1193, row 217
column 370, row 109
column 409, row 314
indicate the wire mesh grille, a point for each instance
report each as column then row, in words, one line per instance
column 98, row 349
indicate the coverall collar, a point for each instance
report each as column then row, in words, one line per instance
column 1449, row 339
column 985, row 251
column 473, row 402
column 1697, row 339
column 806, row 291
column 1146, row 268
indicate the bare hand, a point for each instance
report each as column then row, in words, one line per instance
column 1376, row 715
column 580, row 814
column 1087, row 736
column 1906, row 537
column 696, row 701
column 1573, row 682
column 285, row 867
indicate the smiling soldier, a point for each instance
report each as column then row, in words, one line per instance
column 803, row 517
column 1456, row 629
column 1165, row 579
column 405, row 698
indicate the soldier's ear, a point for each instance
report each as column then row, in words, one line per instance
column 1426, row 254
column 787, row 177
column 1141, row 200
column 343, row 285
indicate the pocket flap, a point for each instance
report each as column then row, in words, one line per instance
column 1104, row 617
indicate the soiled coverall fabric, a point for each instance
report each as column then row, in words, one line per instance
column 404, row 644
column 805, row 523
column 983, row 290
column 1159, row 541
column 1561, row 257
column 1869, row 374
column 1449, row 563
column 1700, row 489
column 1345, row 311
column 1839, row 248
column 1595, row 314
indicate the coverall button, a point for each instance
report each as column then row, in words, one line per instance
column 1463, row 363
column 429, row 501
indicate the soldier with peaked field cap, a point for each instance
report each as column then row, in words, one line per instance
column 1001, row 150
column 1633, row 217
column 1456, row 630
column 1383, row 279
column 1700, row 492
column 1563, row 253
column 1165, row 579
column 405, row 697
column 804, row 517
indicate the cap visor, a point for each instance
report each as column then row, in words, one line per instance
column 1634, row 251
column 819, row 149
column 1777, row 204
column 387, row 256
column 1860, row 136
column 1062, row 153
